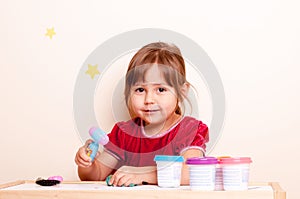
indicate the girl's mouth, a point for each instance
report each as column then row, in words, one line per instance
column 151, row 111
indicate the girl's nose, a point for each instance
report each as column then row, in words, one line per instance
column 149, row 98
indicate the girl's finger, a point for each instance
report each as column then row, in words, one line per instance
column 85, row 157
column 122, row 180
column 84, row 163
column 82, row 158
column 115, row 178
column 128, row 182
column 87, row 143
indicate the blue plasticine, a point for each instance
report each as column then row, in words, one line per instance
column 107, row 180
column 94, row 148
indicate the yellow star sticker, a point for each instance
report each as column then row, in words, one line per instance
column 50, row 32
column 92, row 70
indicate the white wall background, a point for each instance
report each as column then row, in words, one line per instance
column 254, row 44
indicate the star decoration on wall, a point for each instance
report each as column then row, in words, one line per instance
column 92, row 70
column 50, row 32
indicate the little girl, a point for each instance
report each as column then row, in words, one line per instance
column 155, row 89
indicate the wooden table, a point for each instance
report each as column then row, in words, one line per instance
column 95, row 190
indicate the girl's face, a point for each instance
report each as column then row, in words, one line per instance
column 153, row 100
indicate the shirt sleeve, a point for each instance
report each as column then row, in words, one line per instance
column 201, row 137
column 195, row 135
column 115, row 144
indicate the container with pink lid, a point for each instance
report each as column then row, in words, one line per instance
column 202, row 173
column 235, row 172
column 219, row 175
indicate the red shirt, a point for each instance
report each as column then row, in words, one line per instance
column 132, row 147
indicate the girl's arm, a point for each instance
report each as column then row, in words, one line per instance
column 96, row 172
column 99, row 169
column 126, row 175
column 185, row 178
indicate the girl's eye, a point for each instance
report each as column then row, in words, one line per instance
column 161, row 90
column 139, row 90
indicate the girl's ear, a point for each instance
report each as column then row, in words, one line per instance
column 185, row 89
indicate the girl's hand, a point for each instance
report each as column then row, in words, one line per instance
column 81, row 158
column 126, row 175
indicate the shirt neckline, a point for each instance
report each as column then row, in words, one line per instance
column 160, row 134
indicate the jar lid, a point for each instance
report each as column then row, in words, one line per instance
column 225, row 156
column 168, row 158
column 202, row 160
column 235, row 160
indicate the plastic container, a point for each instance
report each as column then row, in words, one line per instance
column 169, row 170
column 219, row 175
column 202, row 173
column 235, row 172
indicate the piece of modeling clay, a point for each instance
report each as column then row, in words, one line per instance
column 44, row 182
column 59, row 178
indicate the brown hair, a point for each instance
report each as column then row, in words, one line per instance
column 170, row 62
